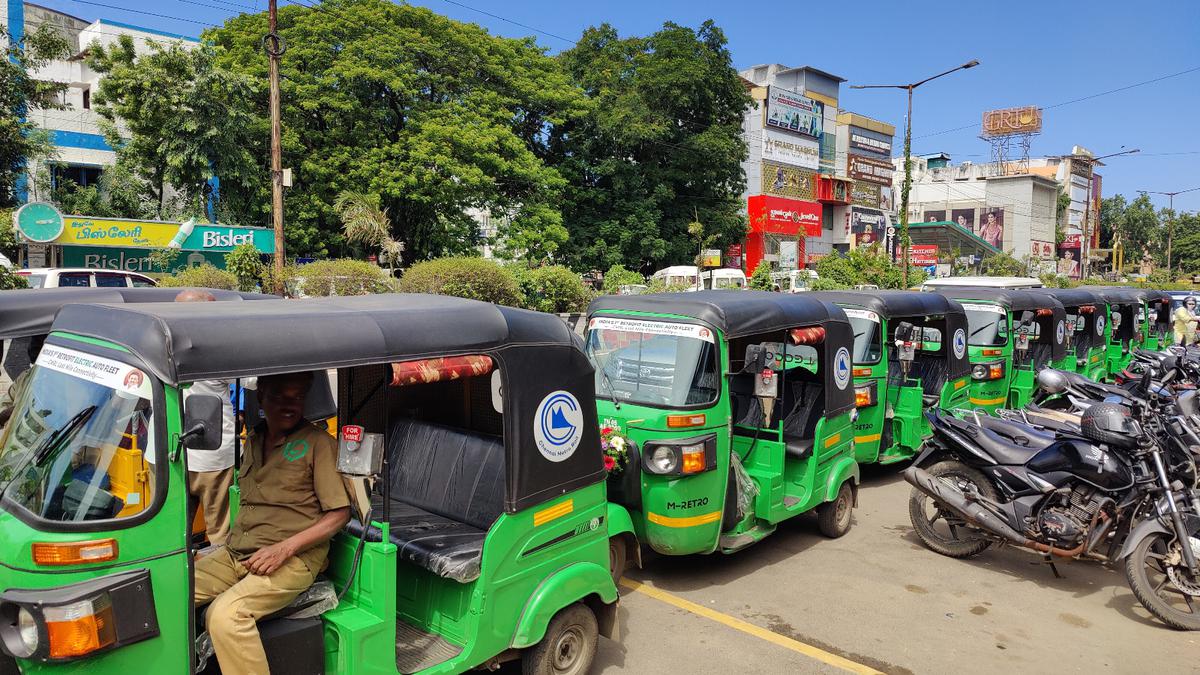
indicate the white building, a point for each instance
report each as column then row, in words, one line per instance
column 82, row 152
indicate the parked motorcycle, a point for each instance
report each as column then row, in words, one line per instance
column 1104, row 494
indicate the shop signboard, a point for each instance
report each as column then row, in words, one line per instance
column 777, row 215
column 733, row 256
column 794, row 112
column 1041, row 250
column 869, row 169
column 923, row 255
column 189, row 236
column 1010, row 121
column 862, row 141
column 788, row 181
column 791, row 150
column 789, row 254
column 132, row 259
column 710, row 257
column 866, row 194
column 867, row 225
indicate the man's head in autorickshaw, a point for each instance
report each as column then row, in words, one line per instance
column 282, row 398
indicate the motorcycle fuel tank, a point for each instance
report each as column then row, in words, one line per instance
column 1093, row 464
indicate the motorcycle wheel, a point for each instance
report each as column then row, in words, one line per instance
column 1147, row 572
column 938, row 528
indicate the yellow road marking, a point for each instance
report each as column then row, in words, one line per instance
column 689, row 521
column 750, row 629
column 867, row 439
column 987, row 401
column 553, row 513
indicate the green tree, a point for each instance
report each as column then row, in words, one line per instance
column 245, row 262
column 19, row 93
column 1186, row 250
column 1003, row 264
column 433, row 115
column 202, row 276
column 163, row 259
column 473, row 278
column 760, row 280
column 363, row 222
column 118, row 194
column 864, row 265
column 1112, row 212
column 1141, row 230
column 177, row 120
column 554, row 289
column 660, row 147
column 617, row 276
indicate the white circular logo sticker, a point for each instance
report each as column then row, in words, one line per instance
column 960, row 343
column 1100, row 325
column 558, row 426
column 1060, row 332
column 841, row 368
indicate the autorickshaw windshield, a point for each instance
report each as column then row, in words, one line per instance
column 867, row 344
column 653, row 363
column 986, row 325
column 78, row 419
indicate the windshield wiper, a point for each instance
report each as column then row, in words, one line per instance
column 63, row 434
column 979, row 330
column 611, row 389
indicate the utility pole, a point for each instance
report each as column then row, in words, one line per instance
column 275, row 47
column 907, row 186
column 1171, row 223
column 1085, row 243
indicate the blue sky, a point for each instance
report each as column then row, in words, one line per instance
column 1040, row 53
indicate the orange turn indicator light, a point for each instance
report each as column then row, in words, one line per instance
column 993, row 352
column 74, row 552
column 862, row 372
column 80, row 628
column 693, row 461
column 678, row 421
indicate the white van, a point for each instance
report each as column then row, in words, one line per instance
column 59, row 277
column 793, row 281
column 723, row 279
column 989, row 282
column 678, row 275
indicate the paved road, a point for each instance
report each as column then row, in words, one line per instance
column 878, row 598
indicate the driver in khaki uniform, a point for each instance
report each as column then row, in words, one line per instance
column 293, row 502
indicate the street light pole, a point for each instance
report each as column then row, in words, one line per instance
column 274, row 46
column 1086, row 244
column 1171, row 224
column 907, row 186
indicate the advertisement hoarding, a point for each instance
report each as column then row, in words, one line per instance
column 777, row 215
column 861, row 141
column 964, row 218
column 788, row 181
column 710, row 257
column 934, row 217
column 1041, row 250
column 791, row 150
column 869, row 169
column 923, row 255
column 794, row 112
column 866, row 194
column 1024, row 120
column 789, row 255
column 1068, row 263
column 991, row 227
column 733, row 256
column 867, row 226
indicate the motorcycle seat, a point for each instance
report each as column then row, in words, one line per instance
column 1015, row 432
column 1079, row 381
column 1000, row 449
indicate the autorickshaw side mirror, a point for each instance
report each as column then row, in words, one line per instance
column 904, row 331
column 202, row 422
column 756, row 359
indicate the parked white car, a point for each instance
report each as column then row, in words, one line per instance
column 62, row 277
column 793, row 281
column 678, row 275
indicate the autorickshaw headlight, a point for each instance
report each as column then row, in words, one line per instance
column 26, row 634
column 979, row 372
column 664, row 460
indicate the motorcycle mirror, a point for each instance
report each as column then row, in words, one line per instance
column 1144, row 385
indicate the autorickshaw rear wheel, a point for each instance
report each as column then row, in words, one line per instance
column 834, row 518
column 569, row 646
column 617, row 557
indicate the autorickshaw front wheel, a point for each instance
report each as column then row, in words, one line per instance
column 569, row 646
column 834, row 518
column 617, row 557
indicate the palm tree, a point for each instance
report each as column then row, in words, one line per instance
column 363, row 222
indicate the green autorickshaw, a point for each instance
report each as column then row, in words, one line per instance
column 1155, row 319
column 739, row 411
column 910, row 354
column 469, row 438
column 1011, row 334
column 1123, row 306
column 1086, row 347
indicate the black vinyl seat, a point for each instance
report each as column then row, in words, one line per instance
column 999, row 448
column 1016, row 432
column 446, row 490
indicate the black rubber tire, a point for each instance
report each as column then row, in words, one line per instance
column 618, row 557
column 1143, row 588
column 569, row 646
column 935, row 541
column 835, row 518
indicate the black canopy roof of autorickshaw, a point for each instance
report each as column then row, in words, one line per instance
column 29, row 312
column 540, row 360
column 900, row 304
column 734, row 313
column 740, row 314
column 1024, row 300
column 1073, row 297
